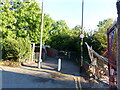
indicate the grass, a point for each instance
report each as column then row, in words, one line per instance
column 10, row 63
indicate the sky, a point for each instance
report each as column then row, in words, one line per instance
column 71, row 11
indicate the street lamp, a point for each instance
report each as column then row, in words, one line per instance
column 41, row 29
column 82, row 36
column 82, row 13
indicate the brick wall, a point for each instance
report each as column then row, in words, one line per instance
column 52, row 52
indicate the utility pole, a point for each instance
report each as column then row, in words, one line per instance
column 41, row 33
column 118, row 45
column 82, row 13
column 81, row 65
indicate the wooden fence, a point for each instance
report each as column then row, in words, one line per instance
column 99, row 66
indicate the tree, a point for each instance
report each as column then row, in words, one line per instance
column 59, row 35
column 21, row 21
column 49, row 25
column 14, row 32
column 99, row 39
column 62, row 38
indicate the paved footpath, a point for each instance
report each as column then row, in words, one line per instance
column 29, row 76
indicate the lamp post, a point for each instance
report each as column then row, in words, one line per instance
column 81, row 65
column 82, row 12
column 41, row 33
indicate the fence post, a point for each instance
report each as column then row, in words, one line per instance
column 20, row 62
column 95, row 63
column 33, row 51
column 59, row 64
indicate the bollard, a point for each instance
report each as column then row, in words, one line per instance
column 40, row 64
column 59, row 64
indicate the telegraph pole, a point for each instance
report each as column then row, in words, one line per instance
column 41, row 33
column 81, row 65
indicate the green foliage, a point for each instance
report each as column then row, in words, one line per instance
column 10, row 49
column 13, row 49
column 99, row 39
column 25, row 47
column 49, row 24
column 64, row 39
column 20, row 23
column 14, row 25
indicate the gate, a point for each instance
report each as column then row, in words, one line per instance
column 112, row 53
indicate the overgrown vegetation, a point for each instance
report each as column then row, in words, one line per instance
column 14, row 49
column 20, row 23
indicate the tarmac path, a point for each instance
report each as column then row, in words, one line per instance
column 29, row 76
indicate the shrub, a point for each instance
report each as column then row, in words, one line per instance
column 14, row 49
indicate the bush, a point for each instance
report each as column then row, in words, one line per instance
column 25, row 47
column 14, row 49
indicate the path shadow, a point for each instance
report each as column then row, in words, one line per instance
column 30, row 66
column 55, row 69
column 67, row 67
column 45, row 66
column 18, row 80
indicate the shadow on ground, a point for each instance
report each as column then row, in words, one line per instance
column 18, row 80
column 48, row 76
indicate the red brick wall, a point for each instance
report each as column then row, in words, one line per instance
column 52, row 52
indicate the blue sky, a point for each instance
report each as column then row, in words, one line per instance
column 70, row 11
